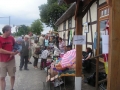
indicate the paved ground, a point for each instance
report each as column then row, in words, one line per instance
column 33, row 79
column 28, row 80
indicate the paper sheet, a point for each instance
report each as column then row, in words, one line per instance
column 105, row 44
column 79, row 39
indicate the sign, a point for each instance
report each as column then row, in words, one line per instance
column 105, row 44
column 85, row 27
column 79, row 39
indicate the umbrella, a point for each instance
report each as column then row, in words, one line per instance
column 68, row 59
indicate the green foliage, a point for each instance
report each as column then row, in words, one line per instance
column 37, row 27
column 51, row 11
column 23, row 30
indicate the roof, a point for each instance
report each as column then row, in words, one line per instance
column 71, row 10
column 68, row 14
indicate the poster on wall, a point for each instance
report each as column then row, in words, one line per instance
column 85, row 27
column 79, row 39
column 105, row 43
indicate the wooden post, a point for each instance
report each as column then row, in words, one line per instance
column 98, row 49
column 78, row 78
column 78, row 47
column 114, row 47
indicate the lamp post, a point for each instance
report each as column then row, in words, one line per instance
column 8, row 18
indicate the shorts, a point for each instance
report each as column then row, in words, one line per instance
column 7, row 67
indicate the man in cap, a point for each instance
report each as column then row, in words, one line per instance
column 24, row 53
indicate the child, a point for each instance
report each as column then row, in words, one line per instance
column 17, row 46
column 44, row 56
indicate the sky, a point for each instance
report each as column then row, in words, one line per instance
column 20, row 12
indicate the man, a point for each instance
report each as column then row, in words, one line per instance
column 30, row 45
column 41, row 40
column 7, row 60
column 24, row 53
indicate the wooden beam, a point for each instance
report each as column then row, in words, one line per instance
column 98, row 49
column 114, row 47
column 79, row 47
column 87, row 7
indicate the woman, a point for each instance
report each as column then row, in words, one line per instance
column 86, row 59
column 36, row 50
column 61, row 45
column 51, row 42
column 87, row 54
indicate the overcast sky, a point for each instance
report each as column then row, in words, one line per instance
column 20, row 12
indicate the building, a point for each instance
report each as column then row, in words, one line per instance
column 66, row 23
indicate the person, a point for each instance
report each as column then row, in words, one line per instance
column 41, row 40
column 59, row 67
column 51, row 42
column 7, row 63
column 61, row 45
column 17, row 46
column 87, row 54
column 24, row 53
column 30, row 46
column 44, row 56
column 57, row 40
column 86, row 59
column 36, row 52
column 46, row 41
column 68, row 48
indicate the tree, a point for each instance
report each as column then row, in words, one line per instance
column 23, row 29
column 51, row 11
column 37, row 27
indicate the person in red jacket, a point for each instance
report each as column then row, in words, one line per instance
column 7, row 63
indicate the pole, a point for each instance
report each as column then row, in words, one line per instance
column 9, row 20
column 78, row 78
column 114, row 46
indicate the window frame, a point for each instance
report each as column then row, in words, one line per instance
column 102, row 18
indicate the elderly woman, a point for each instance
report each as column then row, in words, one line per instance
column 36, row 52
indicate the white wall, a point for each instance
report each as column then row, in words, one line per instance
column 93, row 17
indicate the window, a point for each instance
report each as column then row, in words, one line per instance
column 104, row 12
column 70, row 23
column 64, row 25
column 103, row 24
